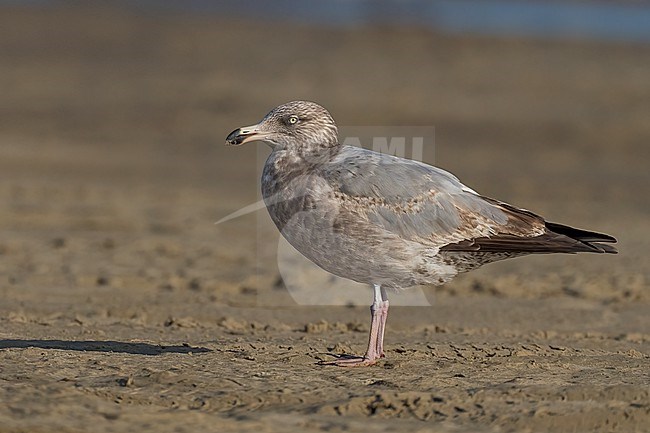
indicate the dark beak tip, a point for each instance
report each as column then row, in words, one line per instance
column 234, row 138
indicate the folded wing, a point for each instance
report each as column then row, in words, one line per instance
column 428, row 205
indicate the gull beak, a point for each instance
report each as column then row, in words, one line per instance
column 244, row 135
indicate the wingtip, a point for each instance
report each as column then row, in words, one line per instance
column 608, row 249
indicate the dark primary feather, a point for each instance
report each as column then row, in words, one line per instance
column 579, row 234
column 592, row 239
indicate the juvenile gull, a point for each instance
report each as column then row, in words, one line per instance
column 387, row 221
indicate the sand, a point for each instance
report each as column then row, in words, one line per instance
column 125, row 308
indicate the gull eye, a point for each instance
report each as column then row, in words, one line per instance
column 293, row 120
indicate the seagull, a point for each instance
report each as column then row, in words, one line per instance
column 387, row 221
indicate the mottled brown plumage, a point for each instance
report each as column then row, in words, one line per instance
column 384, row 220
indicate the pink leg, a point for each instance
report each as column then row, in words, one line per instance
column 382, row 327
column 379, row 314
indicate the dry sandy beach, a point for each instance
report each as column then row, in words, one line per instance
column 125, row 308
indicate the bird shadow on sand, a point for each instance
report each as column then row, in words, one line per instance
column 102, row 346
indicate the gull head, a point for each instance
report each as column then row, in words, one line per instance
column 296, row 126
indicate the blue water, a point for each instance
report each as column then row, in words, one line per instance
column 604, row 20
